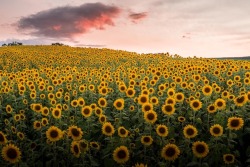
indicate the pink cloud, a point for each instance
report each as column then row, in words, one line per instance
column 68, row 21
column 135, row 17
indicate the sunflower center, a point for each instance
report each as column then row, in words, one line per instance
column 76, row 149
column 121, row 154
column 196, row 104
column 179, row 97
column 207, row 90
column 130, row 92
column 11, row 153
column 56, row 113
column 229, row 158
column 147, row 108
column 54, row 134
column 1, row 138
column 240, row 99
column 122, row 131
column 211, row 108
column 200, row 149
column 216, row 130
column 235, row 123
column 75, row 132
column 151, row 116
column 37, row 107
column 219, row 104
column 108, row 129
column 162, row 130
column 168, row 108
column 118, row 104
column 86, row 111
column 102, row 102
column 146, row 139
column 190, row 131
column 143, row 99
column 170, row 152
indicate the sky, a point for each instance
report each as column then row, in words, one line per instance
column 202, row 28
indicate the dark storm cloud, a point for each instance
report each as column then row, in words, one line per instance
column 137, row 16
column 68, row 21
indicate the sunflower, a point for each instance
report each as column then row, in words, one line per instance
column 139, row 165
column 211, row 108
column 11, row 153
column 181, row 119
column 108, row 129
column 9, row 109
column 216, row 130
column 168, row 109
column 207, row 90
column 190, row 131
column 45, row 121
column 154, row 100
column 74, row 103
column 170, row 152
column 179, row 97
column 150, row 116
column 228, row 158
column 81, row 102
column 130, row 92
column 122, row 132
column 56, row 113
column 75, row 132
column 95, row 145
column 220, row 104
column 200, row 149
column 146, row 140
column 235, row 123
column 240, row 100
column 75, row 149
column 86, row 111
column 37, row 107
column 170, row 100
column 171, row 92
column 103, row 91
column 119, row 104
column 98, row 111
column 102, row 118
column 54, row 134
column 147, row 107
column 162, row 130
column 20, row 135
column 195, row 105
column 45, row 111
column 102, row 102
column 84, row 146
column 37, row 125
column 3, row 139
column 121, row 154
column 143, row 99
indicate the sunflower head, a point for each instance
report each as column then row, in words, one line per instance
column 228, row 158
column 190, row 131
column 150, row 116
column 216, row 130
column 11, row 153
column 170, row 152
column 146, row 140
column 162, row 130
column 108, row 129
column 54, row 134
column 200, row 149
column 235, row 123
column 121, row 154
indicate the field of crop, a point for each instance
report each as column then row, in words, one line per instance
column 65, row 106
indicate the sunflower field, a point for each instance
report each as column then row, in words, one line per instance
column 66, row 106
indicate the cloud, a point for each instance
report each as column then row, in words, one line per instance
column 68, row 21
column 135, row 17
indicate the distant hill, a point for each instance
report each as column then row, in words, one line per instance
column 236, row 58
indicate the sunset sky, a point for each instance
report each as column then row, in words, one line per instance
column 203, row 28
